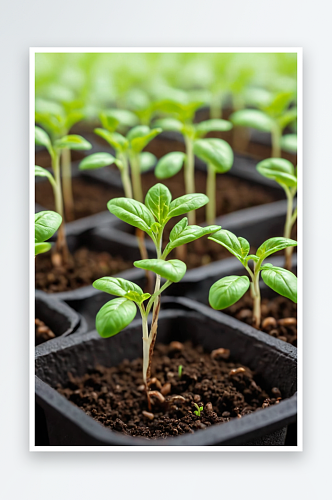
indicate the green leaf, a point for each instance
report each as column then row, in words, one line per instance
column 146, row 161
column 288, row 143
column 133, row 212
column 42, row 172
column 281, row 281
column 227, row 291
column 273, row 245
column 42, row 139
column 109, row 121
column 72, row 118
column 279, row 103
column 239, row 247
column 158, row 200
column 117, row 286
column 96, row 160
column 42, row 247
column 279, row 170
column 182, row 234
column 215, row 152
column 186, row 203
column 123, row 116
column 287, row 118
column 114, row 316
column 252, row 118
column 212, row 125
column 169, row 124
column 46, row 223
column 172, row 270
column 117, row 141
column 169, row 165
column 140, row 136
column 75, row 142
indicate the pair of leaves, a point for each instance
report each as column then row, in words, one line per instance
column 100, row 160
column 121, row 288
column 140, row 136
column 182, row 234
column 46, row 224
column 171, row 270
column 113, row 118
column 75, row 142
column 279, row 170
column 227, row 291
column 252, row 118
column 239, row 247
column 215, row 152
column 158, row 205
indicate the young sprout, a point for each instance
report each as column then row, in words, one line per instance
column 218, row 155
column 46, row 223
column 273, row 116
column 228, row 290
column 151, row 218
column 57, row 120
column 75, row 142
column 171, row 163
column 180, row 369
column 283, row 172
column 199, row 410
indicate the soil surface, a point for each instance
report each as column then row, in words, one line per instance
column 279, row 316
column 42, row 332
column 115, row 396
column 86, row 266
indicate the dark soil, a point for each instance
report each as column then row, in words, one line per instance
column 42, row 332
column 115, row 396
column 89, row 197
column 279, row 316
column 85, row 267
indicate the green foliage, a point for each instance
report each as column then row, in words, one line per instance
column 114, row 316
column 274, row 245
column 288, row 143
column 42, row 139
column 253, row 118
column 75, row 142
column 226, row 291
column 279, row 170
column 239, row 247
column 215, row 125
column 46, row 224
column 199, row 410
column 96, row 160
column 281, row 281
column 215, row 152
column 169, row 165
column 146, row 161
column 171, row 270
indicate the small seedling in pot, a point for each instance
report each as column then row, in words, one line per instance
column 283, row 172
column 57, row 120
column 171, row 163
column 151, row 218
column 199, row 410
column 228, row 290
column 75, row 142
column 273, row 116
column 219, row 157
column 180, row 369
column 46, row 224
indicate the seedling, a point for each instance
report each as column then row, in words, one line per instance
column 57, row 120
column 180, row 371
column 228, row 290
column 273, row 116
column 184, row 110
column 46, row 223
column 75, row 142
column 151, row 218
column 283, row 172
column 218, row 155
column 199, row 410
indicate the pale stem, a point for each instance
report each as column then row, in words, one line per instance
column 256, row 296
column 189, row 174
column 216, row 107
column 211, row 194
column 124, row 171
column 146, row 346
column 67, row 184
column 136, row 177
column 290, row 219
column 61, row 244
column 276, row 136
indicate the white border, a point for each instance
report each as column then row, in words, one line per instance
column 35, row 50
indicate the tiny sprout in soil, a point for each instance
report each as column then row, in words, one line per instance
column 226, row 291
column 180, row 371
column 151, row 218
column 199, row 410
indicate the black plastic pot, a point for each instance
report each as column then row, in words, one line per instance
column 182, row 319
column 63, row 321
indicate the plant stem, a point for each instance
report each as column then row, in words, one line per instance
column 136, row 177
column 124, row 171
column 290, row 219
column 216, row 107
column 275, row 136
column 61, row 248
column 189, row 174
column 211, row 194
column 67, row 184
column 256, row 294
